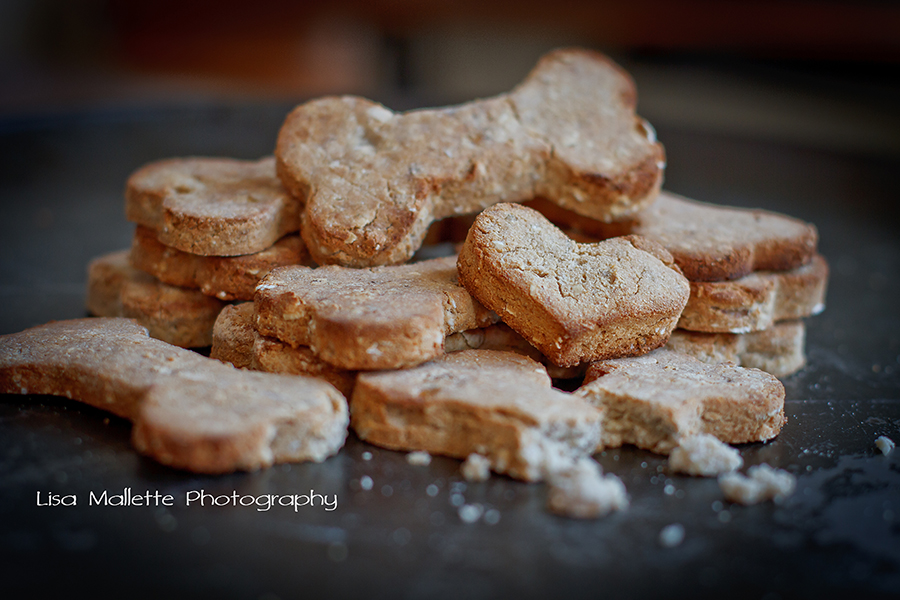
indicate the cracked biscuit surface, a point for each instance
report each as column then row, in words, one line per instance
column 573, row 302
column 189, row 412
column 653, row 401
column 373, row 180
column 212, row 206
column 496, row 404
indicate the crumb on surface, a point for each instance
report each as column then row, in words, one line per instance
column 419, row 458
column 761, row 483
column 583, row 492
column 476, row 468
column 885, row 444
column 705, row 456
column 671, row 535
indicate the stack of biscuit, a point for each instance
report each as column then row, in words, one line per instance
column 207, row 231
column 754, row 276
column 599, row 277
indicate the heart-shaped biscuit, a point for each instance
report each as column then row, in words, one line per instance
column 573, row 302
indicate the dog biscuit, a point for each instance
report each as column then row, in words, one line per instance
column 175, row 315
column 224, row 277
column 365, row 319
column 708, row 242
column 236, row 341
column 373, row 180
column 756, row 301
column 778, row 350
column 189, row 412
column 655, row 400
column 496, row 404
column 573, row 302
column 212, row 206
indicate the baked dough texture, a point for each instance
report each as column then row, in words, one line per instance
column 373, row 180
column 212, row 206
column 653, row 401
column 189, row 412
column 574, row 302
column 496, row 404
column 179, row 316
column 366, row 319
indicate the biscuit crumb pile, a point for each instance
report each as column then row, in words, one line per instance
column 573, row 270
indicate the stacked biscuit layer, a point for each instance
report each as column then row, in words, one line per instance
column 753, row 276
column 207, row 231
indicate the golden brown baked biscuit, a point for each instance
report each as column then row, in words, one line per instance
column 224, row 277
column 189, row 412
column 373, row 180
column 175, row 315
column 496, row 404
column 653, row 401
column 778, row 350
column 573, row 302
column 708, row 242
column 366, row 319
column 755, row 302
column 236, row 341
column 212, row 206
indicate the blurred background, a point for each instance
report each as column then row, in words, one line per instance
column 820, row 74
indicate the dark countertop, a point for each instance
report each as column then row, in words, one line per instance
column 61, row 183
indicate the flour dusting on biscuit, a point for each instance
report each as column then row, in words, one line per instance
column 574, row 302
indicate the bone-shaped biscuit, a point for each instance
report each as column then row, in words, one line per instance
column 189, row 412
column 212, row 206
column 755, row 302
column 223, row 277
column 573, row 302
column 653, row 401
column 778, row 350
column 176, row 315
column 708, row 242
column 373, row 180
column 496, row 404
column 377, row 318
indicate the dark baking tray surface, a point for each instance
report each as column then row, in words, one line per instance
column 61, row 183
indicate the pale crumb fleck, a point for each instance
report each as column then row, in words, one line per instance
column 764, row 483
column 476, row 468
column 583, row 492
column 885, row 444
column 705, row 456
column 367, row 455
column 365, row 482
column 469, row 513
column 671, row 535
column 419, row 458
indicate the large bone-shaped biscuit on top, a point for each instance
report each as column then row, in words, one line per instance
column 373, row 180
column 189, row 411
